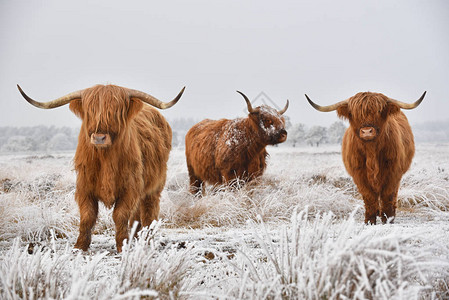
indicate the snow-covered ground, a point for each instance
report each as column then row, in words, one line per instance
column 297, row 233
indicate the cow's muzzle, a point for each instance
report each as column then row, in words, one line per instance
column 100, row 140
column 278, row 138
column 282, row 136
column 368, row 132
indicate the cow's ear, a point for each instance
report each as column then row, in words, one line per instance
column 390, row 109
column 254, row 116
column 343, row 111
column 135, row 105
column 76, row 106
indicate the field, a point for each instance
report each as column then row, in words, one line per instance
column 297, row 233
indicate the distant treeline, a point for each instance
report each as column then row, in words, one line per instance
column 51, row 138
column 38, row 138
column 298, row 134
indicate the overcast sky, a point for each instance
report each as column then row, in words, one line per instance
column 327, row 49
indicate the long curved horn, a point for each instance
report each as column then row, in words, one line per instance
column 54, row 103
column 248, row 103
column 326, row 108
column 154, row 101
column 408, row 105
column 282, row 111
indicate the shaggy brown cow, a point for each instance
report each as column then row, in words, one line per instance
column 377, row 148
column 223, row 150
column 121, row 158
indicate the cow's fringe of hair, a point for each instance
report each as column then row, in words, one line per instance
column 106, row 116
column 362, row 105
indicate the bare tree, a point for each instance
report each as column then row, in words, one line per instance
column 335, row 132
column 296, row 134
column 316, row 135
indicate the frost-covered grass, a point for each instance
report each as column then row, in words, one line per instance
column 319, row 258
column 297, row 233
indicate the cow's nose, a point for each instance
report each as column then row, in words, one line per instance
column 368, row 132
column 282, row 135
column 98, row 138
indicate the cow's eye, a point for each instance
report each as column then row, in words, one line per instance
column 268, row 122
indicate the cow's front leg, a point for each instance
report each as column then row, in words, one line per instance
column 121, row 215
column 370, row 197
column 196, row 184
column 388, row 203
column 88, row 207
column 235, row 177
column 255, row 168
column 135, row 217
column 149, row 208
column 371, row 200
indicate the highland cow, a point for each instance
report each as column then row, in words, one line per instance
column 121, row 157
column 220, row 151
column 377, row 148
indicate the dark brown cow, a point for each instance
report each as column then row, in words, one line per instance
column 121, row 158
column 377, row 148
column 223, row 150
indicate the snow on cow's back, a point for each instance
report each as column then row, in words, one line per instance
column 233, row 133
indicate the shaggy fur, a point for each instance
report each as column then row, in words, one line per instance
column 376, row 165
column 221, row 151
column 128, row 175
